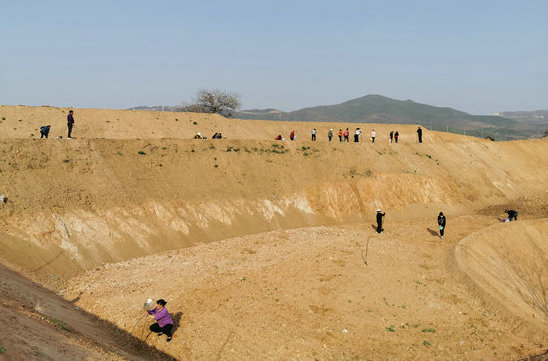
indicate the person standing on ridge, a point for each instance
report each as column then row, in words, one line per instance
column 164, row 323
column 511, row 215
column 330, row 134
column 292, row 135
column 70, row 123
column 379, row 221
column 419, row 133
column 340, row 135
column 357, row 135
column 314, row 134
column 391, row 136
column 441, row 224
column 396, row 135
column 346, row 133
column 373, row 135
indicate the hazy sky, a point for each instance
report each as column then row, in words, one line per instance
column 473, row 55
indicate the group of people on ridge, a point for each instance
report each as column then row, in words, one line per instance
column 44, row 130
column 344, row 136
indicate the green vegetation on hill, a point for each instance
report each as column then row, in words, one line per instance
column 381, row 109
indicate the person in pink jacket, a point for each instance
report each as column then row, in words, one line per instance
column 164, row 323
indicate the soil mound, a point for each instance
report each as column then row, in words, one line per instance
column 508, row 265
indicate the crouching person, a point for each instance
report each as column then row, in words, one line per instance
column 163, row 324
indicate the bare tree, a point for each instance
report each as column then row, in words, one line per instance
column 214, row 101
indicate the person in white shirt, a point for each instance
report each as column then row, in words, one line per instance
column 357, row 135
column 373, row 135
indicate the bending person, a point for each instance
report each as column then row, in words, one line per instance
column 163, row 324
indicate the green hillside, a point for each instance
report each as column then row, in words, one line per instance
column 381, row 109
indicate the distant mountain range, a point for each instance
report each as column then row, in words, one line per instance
column 381, row 109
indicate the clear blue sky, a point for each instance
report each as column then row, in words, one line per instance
column 473, row 55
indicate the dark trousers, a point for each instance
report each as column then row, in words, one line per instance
column 372, row 139
column 340, row 138
column 379, row 227
column 396, row 139
column 69, row 126
column 356, row 138
column 166, row 329
column 42, row 135
column 420, row 138
column 346, row 138
column 313, row 137
column 330, row 137
column 441, row 231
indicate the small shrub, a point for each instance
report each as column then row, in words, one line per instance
column 426, row 343
column 195, row 123
column 20, row 120
column 216, row 166
column 141, row 152
column 119, row 153
column 3, row 118
column 429, row 156
column 61, row 324
column 2, row 349
column 391, row 328
column 66, row 160
column 431, row 330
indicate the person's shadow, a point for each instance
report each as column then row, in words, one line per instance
column 176, row 320
column 433, row 232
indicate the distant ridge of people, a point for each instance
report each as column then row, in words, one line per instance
column 344, row 135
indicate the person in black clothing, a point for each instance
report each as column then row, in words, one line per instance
column 379, row 220
column 419, row 133
column 441, row 223
column 391, row 136
column 70, row 123
column 396, row 136
column 44, row 131
column 512, row 214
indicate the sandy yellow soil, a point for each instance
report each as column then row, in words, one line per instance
column 265, row 250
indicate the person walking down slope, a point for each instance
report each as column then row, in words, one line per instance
column 346, row 133
column 391, row 136
column 441, row 224
column 373, row 135
column 292, row 135
column 340, row 135
column 511, row 215
column 70, row 123
column 357, row 135
column 379, row 221
column 314, row 134
column 330, row 134
column 164, row 323
column 44, row 131
column 419, row 134
column 396, row 135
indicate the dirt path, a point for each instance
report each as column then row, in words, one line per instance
column 307, row 294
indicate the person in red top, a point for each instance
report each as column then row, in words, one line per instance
column 346, row 133
column 292, row 135
column 164, row 323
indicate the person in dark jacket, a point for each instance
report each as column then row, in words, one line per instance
column 441, row 224
column 419, row 134
column 391, row 136
column 379, row 220
column 396, row 136
column 512, row 215
column 70, row 123
column 44, row 131
column 164, row 323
